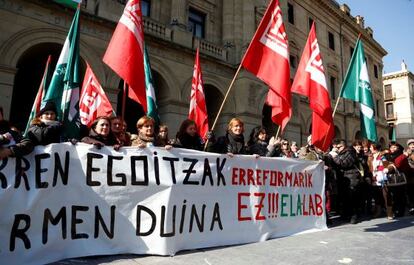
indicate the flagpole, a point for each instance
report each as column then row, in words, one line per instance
column 236, row 74
column 124, row 100
column 339, row 97
column 278, row 130
column 222, row 103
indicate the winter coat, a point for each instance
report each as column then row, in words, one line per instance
column 42, row 134
column 18, row 146
column 347, row 164
column 260, row 148
column 401, row 163
column 139, row 140
column 95, row 138
column 363, row 165
column 228, row 144
column 188, row 142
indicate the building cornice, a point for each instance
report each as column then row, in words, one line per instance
column 349, row 20
column 397, row 75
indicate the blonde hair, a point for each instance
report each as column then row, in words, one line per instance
column 233, row 122
column 143, row 120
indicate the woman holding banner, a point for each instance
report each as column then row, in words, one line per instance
column 257, row 144
column 233, row 142
column 100, row 134
column 146, row 134
column 45, row 128
column 11, row 143
column 187, row 136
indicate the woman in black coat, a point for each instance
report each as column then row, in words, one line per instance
column 45, row 129
column 233, row 142
column 11, row 142
column 100, row 134
column 257, row 144
column 188, row 137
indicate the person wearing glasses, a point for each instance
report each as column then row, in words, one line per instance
column 285, row 149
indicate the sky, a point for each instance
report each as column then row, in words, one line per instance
column 393, row 26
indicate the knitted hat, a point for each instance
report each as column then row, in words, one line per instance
column 50, row 106
column 410, row 141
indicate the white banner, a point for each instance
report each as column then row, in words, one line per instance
column 63, row 201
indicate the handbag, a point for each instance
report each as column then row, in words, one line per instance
column 396, row 178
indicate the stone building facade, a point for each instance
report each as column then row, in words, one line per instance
column 32, row 29
column 399, row 103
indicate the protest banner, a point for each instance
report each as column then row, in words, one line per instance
column 66, row 201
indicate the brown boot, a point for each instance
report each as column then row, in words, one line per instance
column 390, row 214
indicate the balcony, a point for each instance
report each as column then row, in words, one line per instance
column 210, row 48
column 152, row 27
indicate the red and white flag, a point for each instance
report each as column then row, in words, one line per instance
column 198, row 109
column 268, row 58
column 310, row 81
column 125, row 52
column 93, row 102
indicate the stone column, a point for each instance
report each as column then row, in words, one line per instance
column 228, row 22
column 179, row 13
column 228, row 30
column 7, row 75
column 155, row 12
column 249, row 21
column 180, row 34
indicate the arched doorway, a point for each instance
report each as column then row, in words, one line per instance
column 358, row 135
column 133, row 110
column 382, row 142
column 162, row 95
column 214, row 98
column 338, row 134
column 31, row 66
column 267, row 123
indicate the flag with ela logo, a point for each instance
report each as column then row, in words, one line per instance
column 64, row 86
column 357, row 87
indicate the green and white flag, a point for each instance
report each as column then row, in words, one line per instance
column 356, row 87
column 70, row 3
column 64, row 86
column 152, row 109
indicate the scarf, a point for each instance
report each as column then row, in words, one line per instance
column 144, row 138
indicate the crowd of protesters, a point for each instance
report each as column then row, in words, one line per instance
column 365, row 179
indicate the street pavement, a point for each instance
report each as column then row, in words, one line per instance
column 377, row 241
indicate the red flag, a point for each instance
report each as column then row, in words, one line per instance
column 40, row 94
column 42, row 88
column 198, row 109
column 268, row 58
column 125, row 52
column 93, row 102
column 310, row 81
